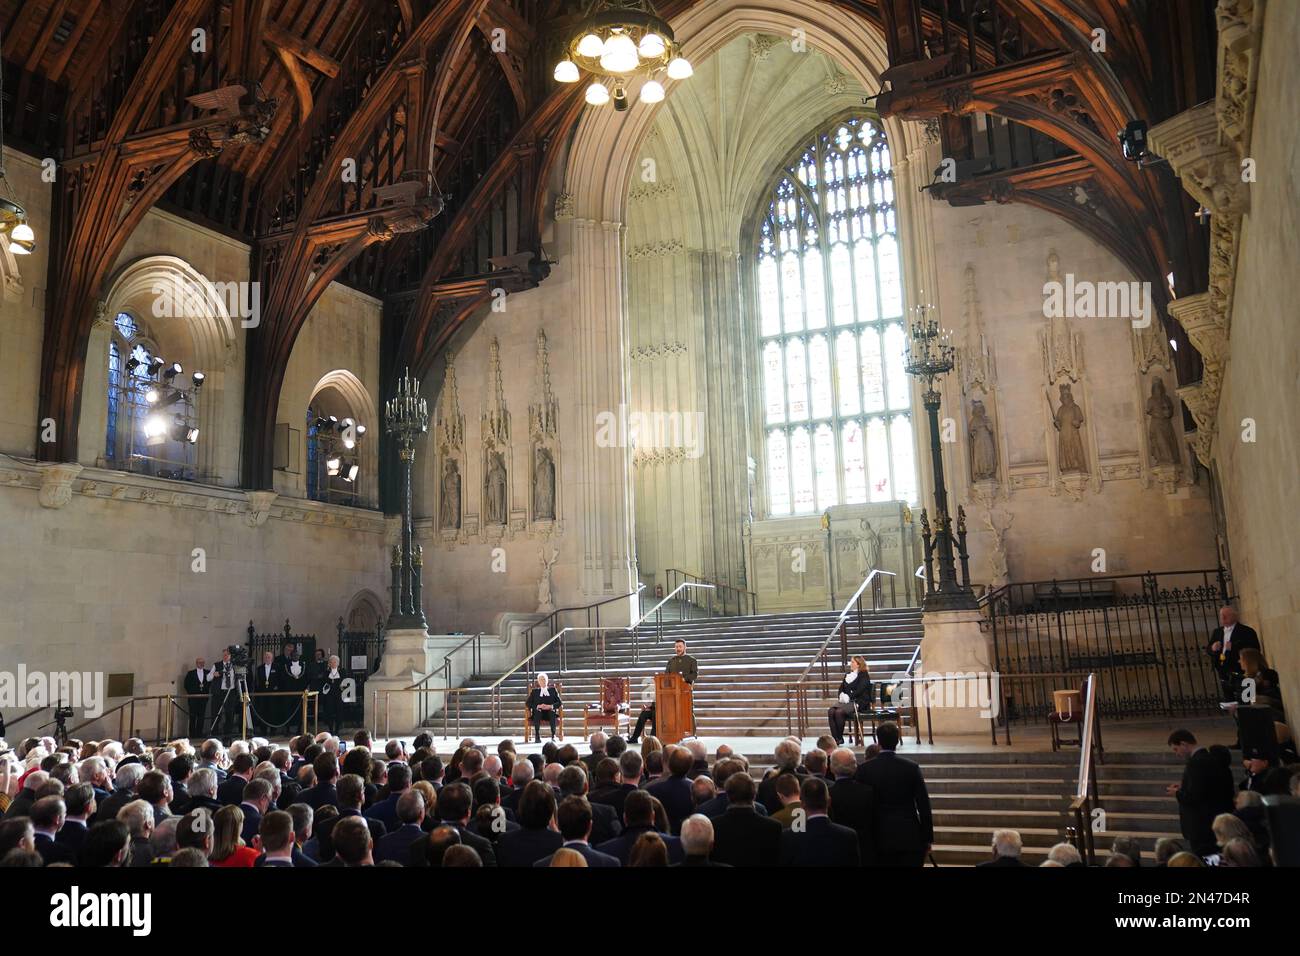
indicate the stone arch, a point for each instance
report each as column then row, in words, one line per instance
column 186, row 315
column 605, row 146
column 360, row 406
column 365, row 612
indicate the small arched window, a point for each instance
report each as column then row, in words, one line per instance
column 836, row 401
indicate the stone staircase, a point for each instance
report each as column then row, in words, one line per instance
column 744, row 665
column 976, row 792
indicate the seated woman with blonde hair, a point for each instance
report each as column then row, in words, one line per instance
column 566, row 857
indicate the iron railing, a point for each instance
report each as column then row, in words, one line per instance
column 1144, row 636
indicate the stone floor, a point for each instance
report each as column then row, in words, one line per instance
column 1129, row 736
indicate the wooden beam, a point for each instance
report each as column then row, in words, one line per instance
column 52, row 21
column 281, row 39
column 297, row 77
column 61, row 61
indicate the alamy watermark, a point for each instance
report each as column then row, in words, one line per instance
column 651, row 430
column 30, row 690
column 178, row 298
column 1084, row 299
column 952, row 690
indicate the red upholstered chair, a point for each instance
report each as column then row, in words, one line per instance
column 612, row 711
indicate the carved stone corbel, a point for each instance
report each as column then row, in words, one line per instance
column 56, row 483
column 259, row 507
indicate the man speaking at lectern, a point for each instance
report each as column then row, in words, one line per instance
column 680, row 663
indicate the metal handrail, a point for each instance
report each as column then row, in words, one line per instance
column 476, row 656
column 840, row 620
column 1085, row 795
column 553, row 617
column 701, row 579
column 495, row 687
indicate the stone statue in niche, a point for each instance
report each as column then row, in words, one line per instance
column 545, row 599
column 449, row 511
column 983, row 448
column 1160, row 428
column 1068, row 419
column 869, row 549
column 544, row 486
column 496, row 511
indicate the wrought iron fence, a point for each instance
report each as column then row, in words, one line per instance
column 1144, row 635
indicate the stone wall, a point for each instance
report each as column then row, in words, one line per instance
column 1259, row 476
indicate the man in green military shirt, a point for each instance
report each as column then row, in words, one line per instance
column 680, row 663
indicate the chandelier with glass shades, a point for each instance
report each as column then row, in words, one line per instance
column 620, row 40
column 15, row 232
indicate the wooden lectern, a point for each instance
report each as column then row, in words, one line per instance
column 673, row 708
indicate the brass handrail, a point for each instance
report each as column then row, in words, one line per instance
column 415, row 689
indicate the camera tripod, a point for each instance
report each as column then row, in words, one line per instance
column 240, row 692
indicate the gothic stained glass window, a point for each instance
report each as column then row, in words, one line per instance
column 128, row 384
column 828, row 285
column 314, row 492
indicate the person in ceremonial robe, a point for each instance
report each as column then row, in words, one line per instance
column 855, row 694
column 543, row 705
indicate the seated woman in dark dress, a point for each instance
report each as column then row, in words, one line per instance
column 854, row 694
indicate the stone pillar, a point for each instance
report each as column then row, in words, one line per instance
column 604, row 488
column 727, row 347
column 408, row 657
column 954, row 646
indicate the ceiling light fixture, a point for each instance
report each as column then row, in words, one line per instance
column 618, row 41
column 14, row 227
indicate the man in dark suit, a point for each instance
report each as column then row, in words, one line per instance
column 47, row 820
column 231, row 790
column 266, row 710
column 276, row 833
column 79, row 801
column 722, row 772
column 616, row 779
column 256, row 803
column 408, row 827
column 674, row 791
column 543, row 704
column 1205, row 791
column 351, row 793
column 385, row 810
column 1006, row 850
column 326, row 767
column 196, row 682
column 819, row 841
column 455, row 803
column 787, row 760
column 1227, row 642
column 639, row 814
column 740, row 836
column 535, row 839
column 698, row 842
column 574, row 819
column 597, row 740
column 904, row 828
column 853, row 803
column 21, row 805
column 573, row 783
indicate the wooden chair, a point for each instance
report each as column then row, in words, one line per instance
column 615, row 694
column 1067, row 709
column 878, row 714
column 559, row 715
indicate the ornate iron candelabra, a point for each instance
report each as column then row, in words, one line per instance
column 929, row 357
column 406, row 417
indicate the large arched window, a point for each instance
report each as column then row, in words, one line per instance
column 836, row 407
